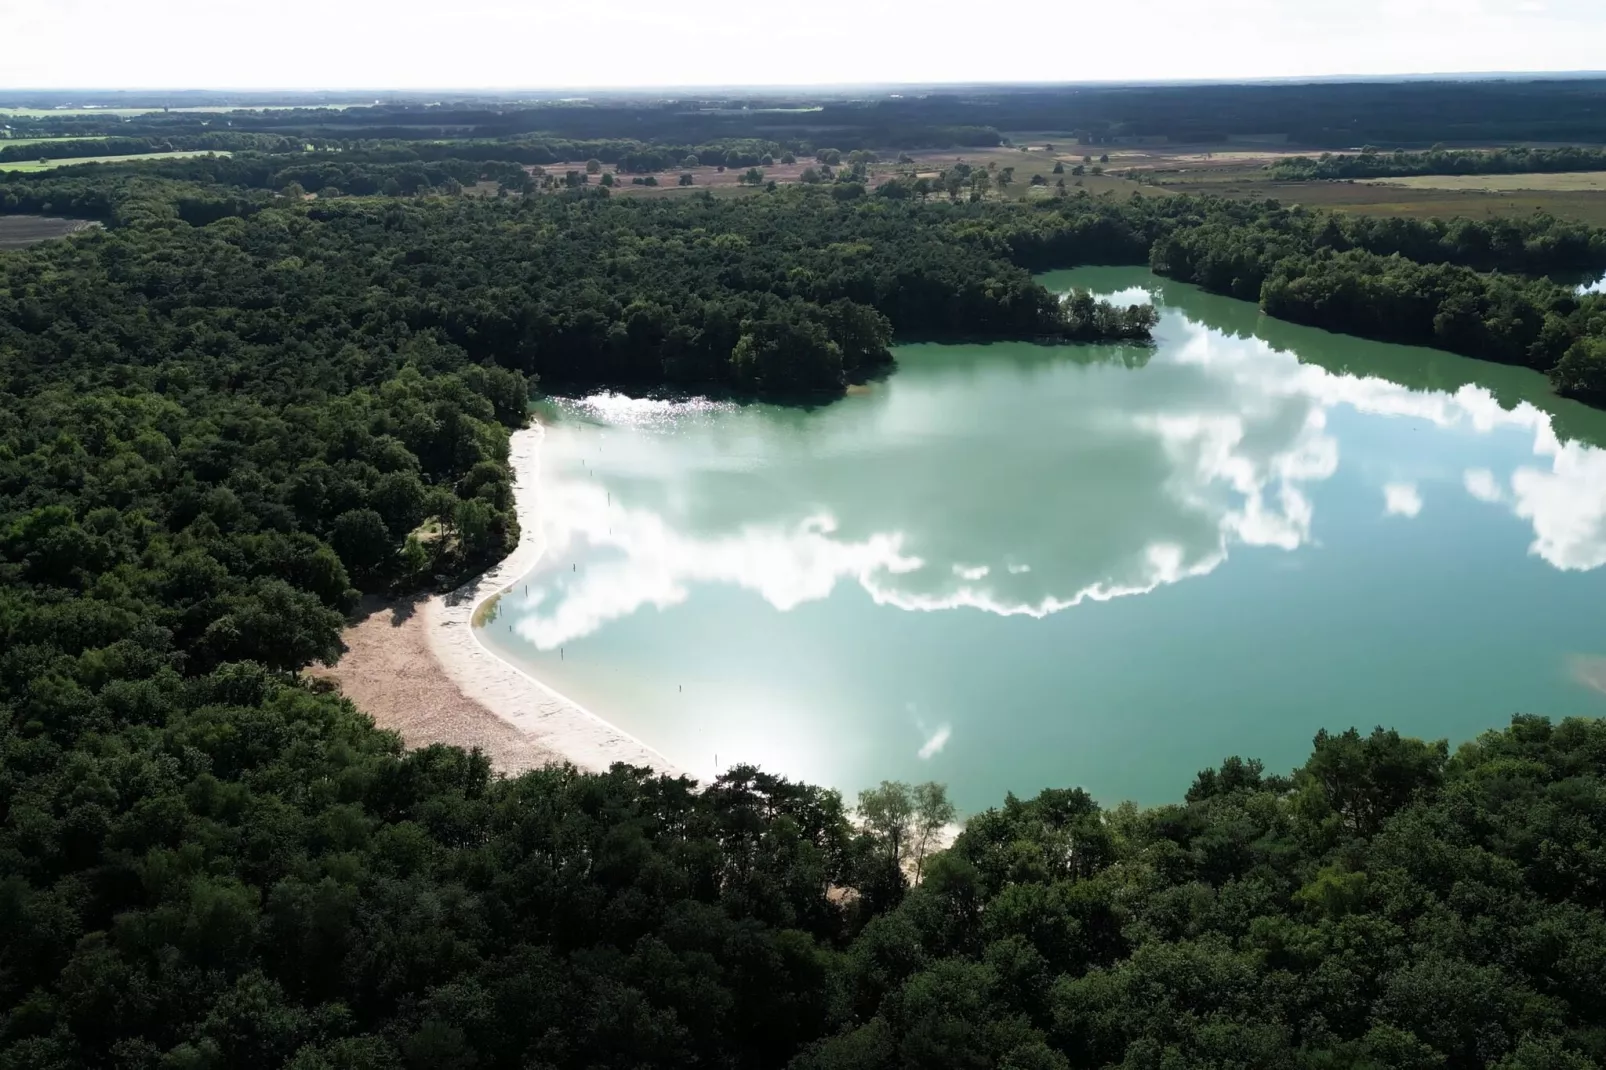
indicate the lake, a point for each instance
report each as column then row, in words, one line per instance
column 1013, row 566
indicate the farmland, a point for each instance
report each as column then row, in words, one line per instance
column 1240, row 171
column 1564, row 181
column 19, row 231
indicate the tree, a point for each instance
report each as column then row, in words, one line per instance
column 887, row 812
column 1581, row 372
column 686, row 178
column 1059, row 167
column 1363, row 780
column 690, row 161
column 363, row 542
column 829, row 157
column 786, row 353
column 788, row 158
column 593, row 167
column 933, row 813
column 607, row 179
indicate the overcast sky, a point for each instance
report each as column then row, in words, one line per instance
column 585, row 43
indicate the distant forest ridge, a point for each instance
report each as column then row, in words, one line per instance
column 1321, row 114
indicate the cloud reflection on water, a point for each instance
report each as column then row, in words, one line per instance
column 1225, row 459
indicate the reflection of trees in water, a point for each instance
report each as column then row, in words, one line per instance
column 1413, row 367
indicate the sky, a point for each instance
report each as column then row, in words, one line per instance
column 503, row 44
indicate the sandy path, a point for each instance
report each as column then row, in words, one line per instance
column 421, row 670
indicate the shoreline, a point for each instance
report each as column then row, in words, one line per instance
column 430, row 677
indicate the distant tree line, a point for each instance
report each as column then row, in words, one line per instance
column 1418, row 113
column 1441, row 161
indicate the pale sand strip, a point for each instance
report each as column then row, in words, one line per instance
column 428, row 676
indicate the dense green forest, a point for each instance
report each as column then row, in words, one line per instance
column 931, row 260
column 231, row 411
column 1441, row 161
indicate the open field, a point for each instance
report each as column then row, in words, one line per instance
column 18, row 142
column 49, row 165
column 727, row 182
column 1242, row 171
column 19, row 231
column 1036, row 159
column 1560, row 180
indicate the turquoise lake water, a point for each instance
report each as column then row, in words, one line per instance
column 1012, row 566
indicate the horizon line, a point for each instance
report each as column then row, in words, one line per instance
column 1310, row 79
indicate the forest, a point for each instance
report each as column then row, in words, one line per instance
column 1441, row 161
column 231, row 412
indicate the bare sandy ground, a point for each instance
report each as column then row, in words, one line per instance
column 390, row 672
column 421, row 670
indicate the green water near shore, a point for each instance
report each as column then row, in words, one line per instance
column 1015, row 566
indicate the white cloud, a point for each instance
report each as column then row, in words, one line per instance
column 934, row 745
column 1401, row 499
column 1225, row 458
column 1482, row 485
column 1567, row 506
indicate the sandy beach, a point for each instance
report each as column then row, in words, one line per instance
column 418, row 668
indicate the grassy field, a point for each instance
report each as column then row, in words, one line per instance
column 1033, row 159
column 1242, row 171
column 11, row 142
column 48, row 165
column 1558, row 181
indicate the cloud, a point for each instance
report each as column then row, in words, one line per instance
column 1401, row 499
column 934, row 745
column 1220, row 445
column 1567, row 507
column 1482, row 485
